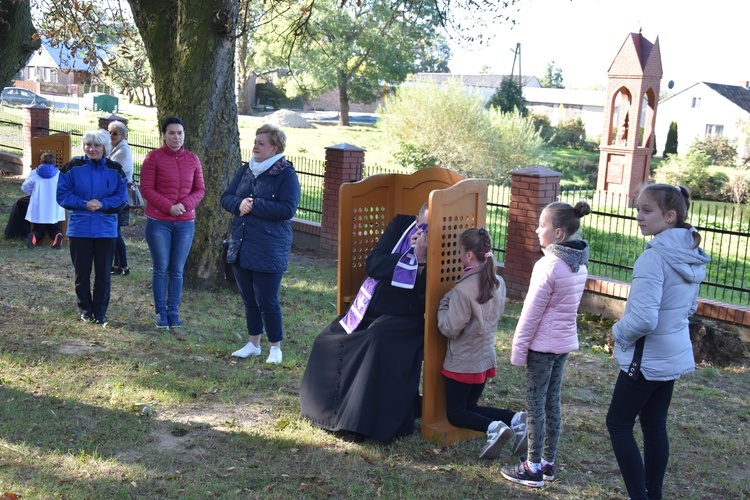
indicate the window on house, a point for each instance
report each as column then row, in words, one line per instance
column 714, row 130
column 696, row 102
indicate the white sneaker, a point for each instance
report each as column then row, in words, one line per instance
column 274, row 356
column 248, row 350
column 518, row 424
column 497, row 435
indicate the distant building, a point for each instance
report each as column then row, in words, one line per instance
column 55, row 65
column 705, row 110
column 484, row 85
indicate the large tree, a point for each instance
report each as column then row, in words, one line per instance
column 18, row 38
column 191, row 46
column 354, row 47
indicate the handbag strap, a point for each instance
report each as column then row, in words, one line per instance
column 635, row 365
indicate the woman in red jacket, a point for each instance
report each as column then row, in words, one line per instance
column 172, row 185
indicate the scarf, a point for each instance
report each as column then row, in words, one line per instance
column 574, row 253
column 404, row 276
column 260, row 167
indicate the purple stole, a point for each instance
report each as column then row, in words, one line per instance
column 404, row 276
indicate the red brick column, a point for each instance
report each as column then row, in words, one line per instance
column 344, row 163
column 531, row 189
column 105, row 120
column 35, row 124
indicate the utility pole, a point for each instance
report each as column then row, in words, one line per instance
column 517, row 55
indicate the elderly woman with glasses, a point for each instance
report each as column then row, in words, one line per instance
column 92, row 188
column 118, row 135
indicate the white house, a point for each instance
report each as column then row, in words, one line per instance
column 704, row 109
column 55, row 65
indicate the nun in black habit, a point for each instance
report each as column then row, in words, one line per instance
column 366, row 382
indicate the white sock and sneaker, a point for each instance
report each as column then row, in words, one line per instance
column 274, row 356
column 497, row 435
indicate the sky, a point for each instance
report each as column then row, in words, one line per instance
column 700, row 40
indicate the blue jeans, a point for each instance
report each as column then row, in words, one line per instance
column 260, row 294
column 649, row 401
column 169, row 244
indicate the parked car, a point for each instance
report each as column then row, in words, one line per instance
column 14, row 96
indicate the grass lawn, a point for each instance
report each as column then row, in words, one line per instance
column 129, row 412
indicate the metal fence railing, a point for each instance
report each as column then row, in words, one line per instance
column 615, row 241
column 11, row 136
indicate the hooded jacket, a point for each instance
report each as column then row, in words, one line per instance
column 41, row 184
column 663, row 293
column 470, row 326
column 548, row 318
column 83, row 179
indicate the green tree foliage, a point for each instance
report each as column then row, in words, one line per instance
column 553, row 77
column 433, row 55
column 719, row 150
column 543, row 126
column 448, row 127
column 355, row 47
column 670, row 147
column 569, row 134
column 509, row 97
column 691, row 170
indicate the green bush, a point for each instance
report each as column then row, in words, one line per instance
column 569, row 134
column 670, row 147
column 692, row 170
column 719, row 150
column 448, row 127
column 543, row 126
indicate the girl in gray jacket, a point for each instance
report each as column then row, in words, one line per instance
column 663, row 293
column 468, row 316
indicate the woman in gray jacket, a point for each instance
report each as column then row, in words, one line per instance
column 663, row 293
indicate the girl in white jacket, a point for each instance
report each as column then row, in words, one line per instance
column 546, row 333
column 663, row 293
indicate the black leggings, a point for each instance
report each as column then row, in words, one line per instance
column 462, row 409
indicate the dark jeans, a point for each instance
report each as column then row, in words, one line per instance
column 463, row 411
column 648, row 400
column 260, row 294
column 82, row 252
column 121, row 252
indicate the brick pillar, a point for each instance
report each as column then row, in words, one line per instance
column 35, row 124
column 344, row 163
column 105, row 120
column 531, row 189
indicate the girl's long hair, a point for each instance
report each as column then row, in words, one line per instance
column 477, row 241
column 677, row 199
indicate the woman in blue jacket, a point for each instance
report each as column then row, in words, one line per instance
column 263, row 197
column 93, row 190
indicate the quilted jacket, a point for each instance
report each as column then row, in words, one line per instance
column 548, row 318
column 82, row 180
column 470, row 326
column 169, row 177
column 663, row 293
column 261, row 240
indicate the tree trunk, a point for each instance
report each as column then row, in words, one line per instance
column 191, row 52
column 17, row 40
column 343, row 102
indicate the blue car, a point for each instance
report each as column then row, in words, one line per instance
column 14, row 96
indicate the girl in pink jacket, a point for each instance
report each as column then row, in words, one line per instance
column 546, row 333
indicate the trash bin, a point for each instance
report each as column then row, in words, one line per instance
column 105, row 102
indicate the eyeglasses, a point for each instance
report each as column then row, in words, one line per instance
column 114, row 133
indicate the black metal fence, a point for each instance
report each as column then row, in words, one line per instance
column 11, row 136
column 616, row 241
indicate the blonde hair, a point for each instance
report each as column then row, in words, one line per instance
column 275, row 135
